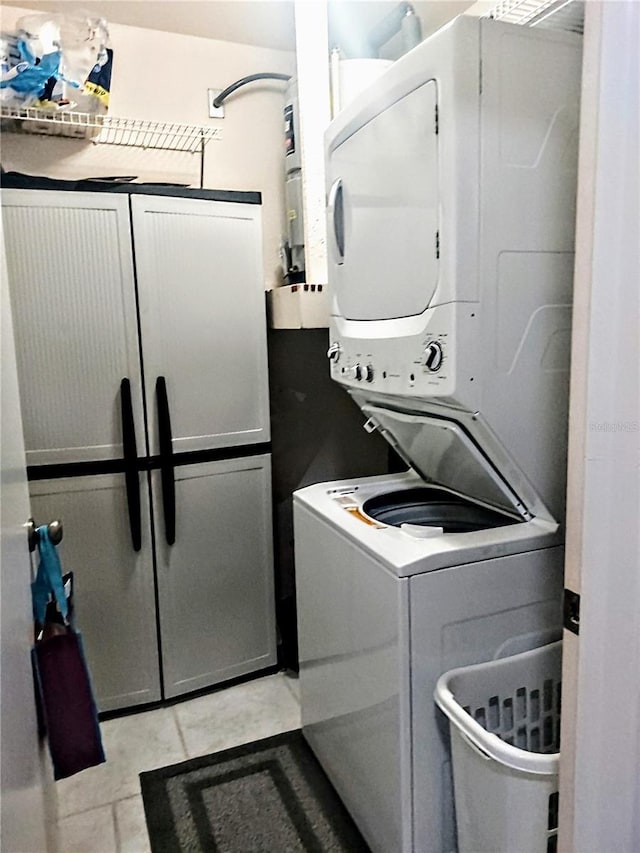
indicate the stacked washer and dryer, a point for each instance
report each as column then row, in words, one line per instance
column 451, row 201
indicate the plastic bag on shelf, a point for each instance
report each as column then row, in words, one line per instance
column 86, row 62
column 24, row 72
column 98, row 86
column 57, row 61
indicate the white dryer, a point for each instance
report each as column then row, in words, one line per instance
column 451, row 193
column 451, row 185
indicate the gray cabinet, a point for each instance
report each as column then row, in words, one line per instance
column 71, row 275
column 198, row 277
column 199, row 270
column 114, row 586
column 222, row 550
column 111, row 287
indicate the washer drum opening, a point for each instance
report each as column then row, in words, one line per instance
column 434, row 508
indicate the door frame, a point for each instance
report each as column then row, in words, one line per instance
column 27, row 796
column 600, row 754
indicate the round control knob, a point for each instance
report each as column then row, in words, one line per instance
column 354, row 371
column 334, row 352
column 368, row 373
column 433, row 356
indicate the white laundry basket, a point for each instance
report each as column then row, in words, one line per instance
column 505, row 736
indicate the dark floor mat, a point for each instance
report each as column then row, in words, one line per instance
column 270, row 796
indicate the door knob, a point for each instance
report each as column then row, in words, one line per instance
column 32, row 535
column 55, row 533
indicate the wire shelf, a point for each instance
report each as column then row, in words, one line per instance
column 552, row 14
column 109, row 130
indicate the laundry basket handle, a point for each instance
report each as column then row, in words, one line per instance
column 474, row 746
column 488, row 744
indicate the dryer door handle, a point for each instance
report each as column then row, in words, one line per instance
column 335, row 216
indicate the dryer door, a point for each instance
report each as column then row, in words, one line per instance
column 383, row 212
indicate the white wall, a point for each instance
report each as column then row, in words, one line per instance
column 165, row 76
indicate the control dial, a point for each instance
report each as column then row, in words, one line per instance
column 433, row 356
column 334, row 352
column 368, row 373
column 354, row 371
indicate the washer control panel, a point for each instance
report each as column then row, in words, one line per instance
column 428, row 372
column 334, row 352
column 433, row 356
column 352, row 371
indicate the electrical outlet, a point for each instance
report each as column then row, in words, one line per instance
column 215, row 112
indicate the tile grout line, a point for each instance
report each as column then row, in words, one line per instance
column 180, row 733
column 119, row 834
column 287, row 679
column 116, row 828
column 99, row 806
column 62, row 817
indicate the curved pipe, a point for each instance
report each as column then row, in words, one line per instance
column 265, row 75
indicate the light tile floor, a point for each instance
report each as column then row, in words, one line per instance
column 100, row 810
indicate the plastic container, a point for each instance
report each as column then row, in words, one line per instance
column 298, row 306
column 504, row 719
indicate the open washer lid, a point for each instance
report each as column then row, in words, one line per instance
column 442, row 452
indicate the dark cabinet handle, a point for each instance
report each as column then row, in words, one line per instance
column 131, row 474
column 166, row 461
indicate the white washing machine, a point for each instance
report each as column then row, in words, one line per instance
column 386, row 604
column 451, row 193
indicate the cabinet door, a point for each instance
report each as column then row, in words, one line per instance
column 202, row 314
column 215, row 584
column 73, row 297
column 114, row 590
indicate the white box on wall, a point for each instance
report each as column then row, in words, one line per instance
column 299, row 306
